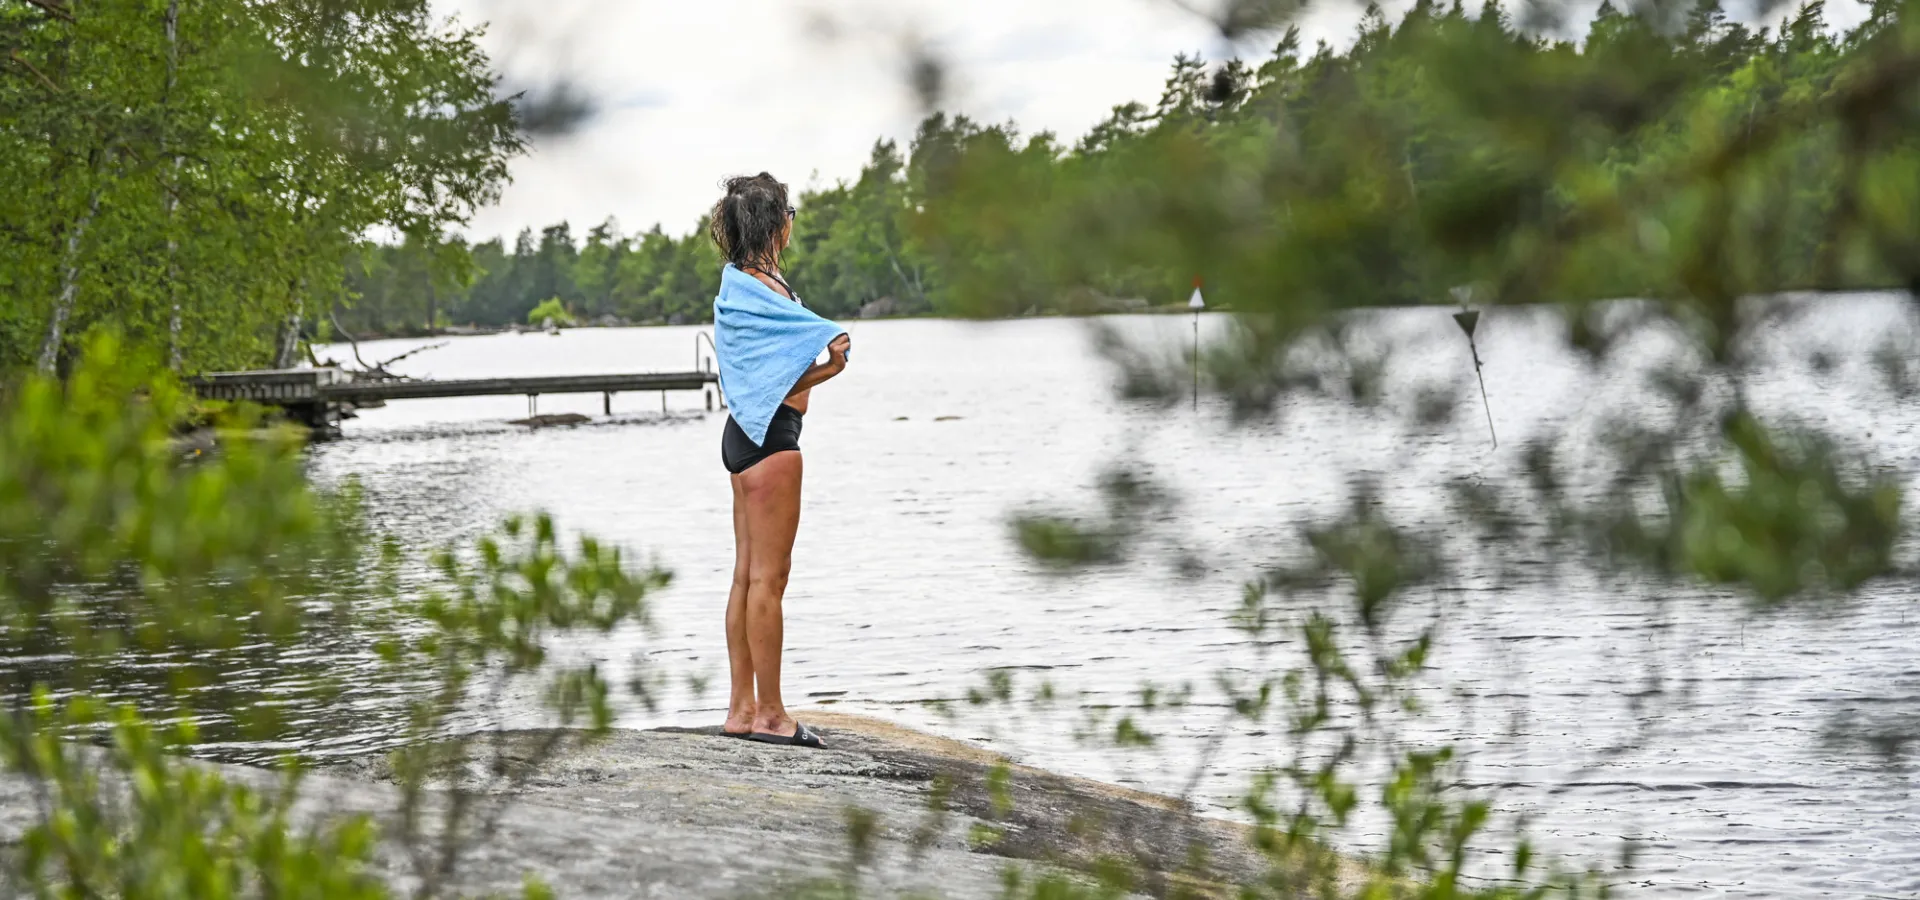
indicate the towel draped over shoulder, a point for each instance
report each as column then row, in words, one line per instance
column 765, row 343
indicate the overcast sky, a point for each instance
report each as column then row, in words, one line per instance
column 691, row 91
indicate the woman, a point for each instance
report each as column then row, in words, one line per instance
column 768, row 343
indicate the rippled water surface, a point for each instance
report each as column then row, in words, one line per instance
column 907, row 589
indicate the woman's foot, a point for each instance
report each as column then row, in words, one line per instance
column 775, row 723
column 739, row 722
column 796, row 735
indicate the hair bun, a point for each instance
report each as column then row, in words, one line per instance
column 749, row 221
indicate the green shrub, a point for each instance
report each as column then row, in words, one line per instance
column 551, row 308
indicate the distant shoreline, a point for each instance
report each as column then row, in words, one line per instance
column 480, row 330
column 1170, row 309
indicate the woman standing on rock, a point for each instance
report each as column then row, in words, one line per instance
column 768, row 343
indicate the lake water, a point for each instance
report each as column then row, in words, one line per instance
column 906, row 587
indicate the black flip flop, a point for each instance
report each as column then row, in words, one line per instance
column 743, row 735
column 802, row 737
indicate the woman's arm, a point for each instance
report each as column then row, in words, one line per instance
column 819, row 372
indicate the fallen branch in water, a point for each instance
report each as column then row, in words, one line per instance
column 377, row 371
column 350, row 340
column 402, row 356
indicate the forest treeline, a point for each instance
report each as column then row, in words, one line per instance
column 969, row 217
column 854, row 244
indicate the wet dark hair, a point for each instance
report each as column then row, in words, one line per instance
column 747, row 222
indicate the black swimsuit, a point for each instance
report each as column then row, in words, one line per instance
column 738, row 452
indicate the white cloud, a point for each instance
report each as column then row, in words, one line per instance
column 691, row 92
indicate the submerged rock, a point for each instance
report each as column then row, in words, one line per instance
column 553, row 419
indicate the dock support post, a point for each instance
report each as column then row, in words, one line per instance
column 606, row 403
column 709, row 393
column 663, row 403
column 533, row 405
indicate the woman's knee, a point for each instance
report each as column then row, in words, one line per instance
column 769, row 578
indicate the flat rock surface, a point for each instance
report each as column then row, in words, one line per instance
column 693, row 814
column 697, row 814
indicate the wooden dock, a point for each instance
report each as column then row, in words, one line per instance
column 320, row 398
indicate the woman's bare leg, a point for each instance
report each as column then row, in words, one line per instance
column 772, row 490
column 740, row 705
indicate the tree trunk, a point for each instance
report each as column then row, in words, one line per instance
column 69, row 287
column 432, row 314
column 173, row 320
column 173, row 184
column 911, row 283
column 290, row 339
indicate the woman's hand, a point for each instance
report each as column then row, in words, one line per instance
column 837, row 353
column 819, row 372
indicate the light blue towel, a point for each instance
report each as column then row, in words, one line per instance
column 765, row 343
